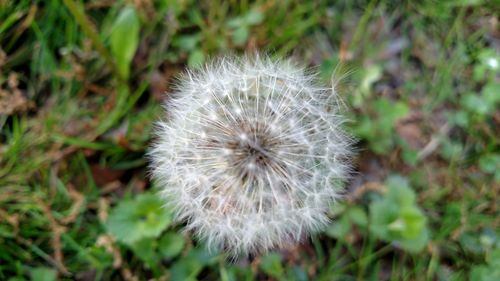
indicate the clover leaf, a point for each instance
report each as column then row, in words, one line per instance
column 142, row 217
column 397, row 218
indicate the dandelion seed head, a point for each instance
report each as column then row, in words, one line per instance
column 251, row 154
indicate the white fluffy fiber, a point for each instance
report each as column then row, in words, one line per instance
column 251, row 153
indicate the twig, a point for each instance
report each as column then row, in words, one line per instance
column 57, row 231
column 368, row 186
column 433, row 143
column 75, row 208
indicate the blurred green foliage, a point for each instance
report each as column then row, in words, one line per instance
column 125, row 39
column 81, row 84
column 137, row 219
column 396, row 218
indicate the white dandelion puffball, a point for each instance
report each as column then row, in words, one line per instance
column 251, row 154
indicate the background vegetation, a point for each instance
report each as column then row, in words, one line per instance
column 81, row 83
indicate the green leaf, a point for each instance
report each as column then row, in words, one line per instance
column 409, row 223
column 396, row 217
column 187, row 42
column 475, row 103
column 493, row 259
column 372, row 74
column 240, row 35
column 235, row 22
column 125, row 39
column 490, row 163
column 416, row 244
column 240, row 26
column 339, row 229
column 143, row 217
column 196, row 58
column 186, row 268
column 451, row 149
column 369, row 76
column 382, row 214
column 254, row 17
column 488, row 65
column 43, row 274
column 271, row 265
column 171, row 244
column 400, row 191
column 145, row 249
column 379, row 129
column 490, row 272
column 358, row 216
column 491, row 94
column 390, row 112
column 297, row 273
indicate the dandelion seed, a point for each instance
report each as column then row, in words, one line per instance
column 252, row 154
